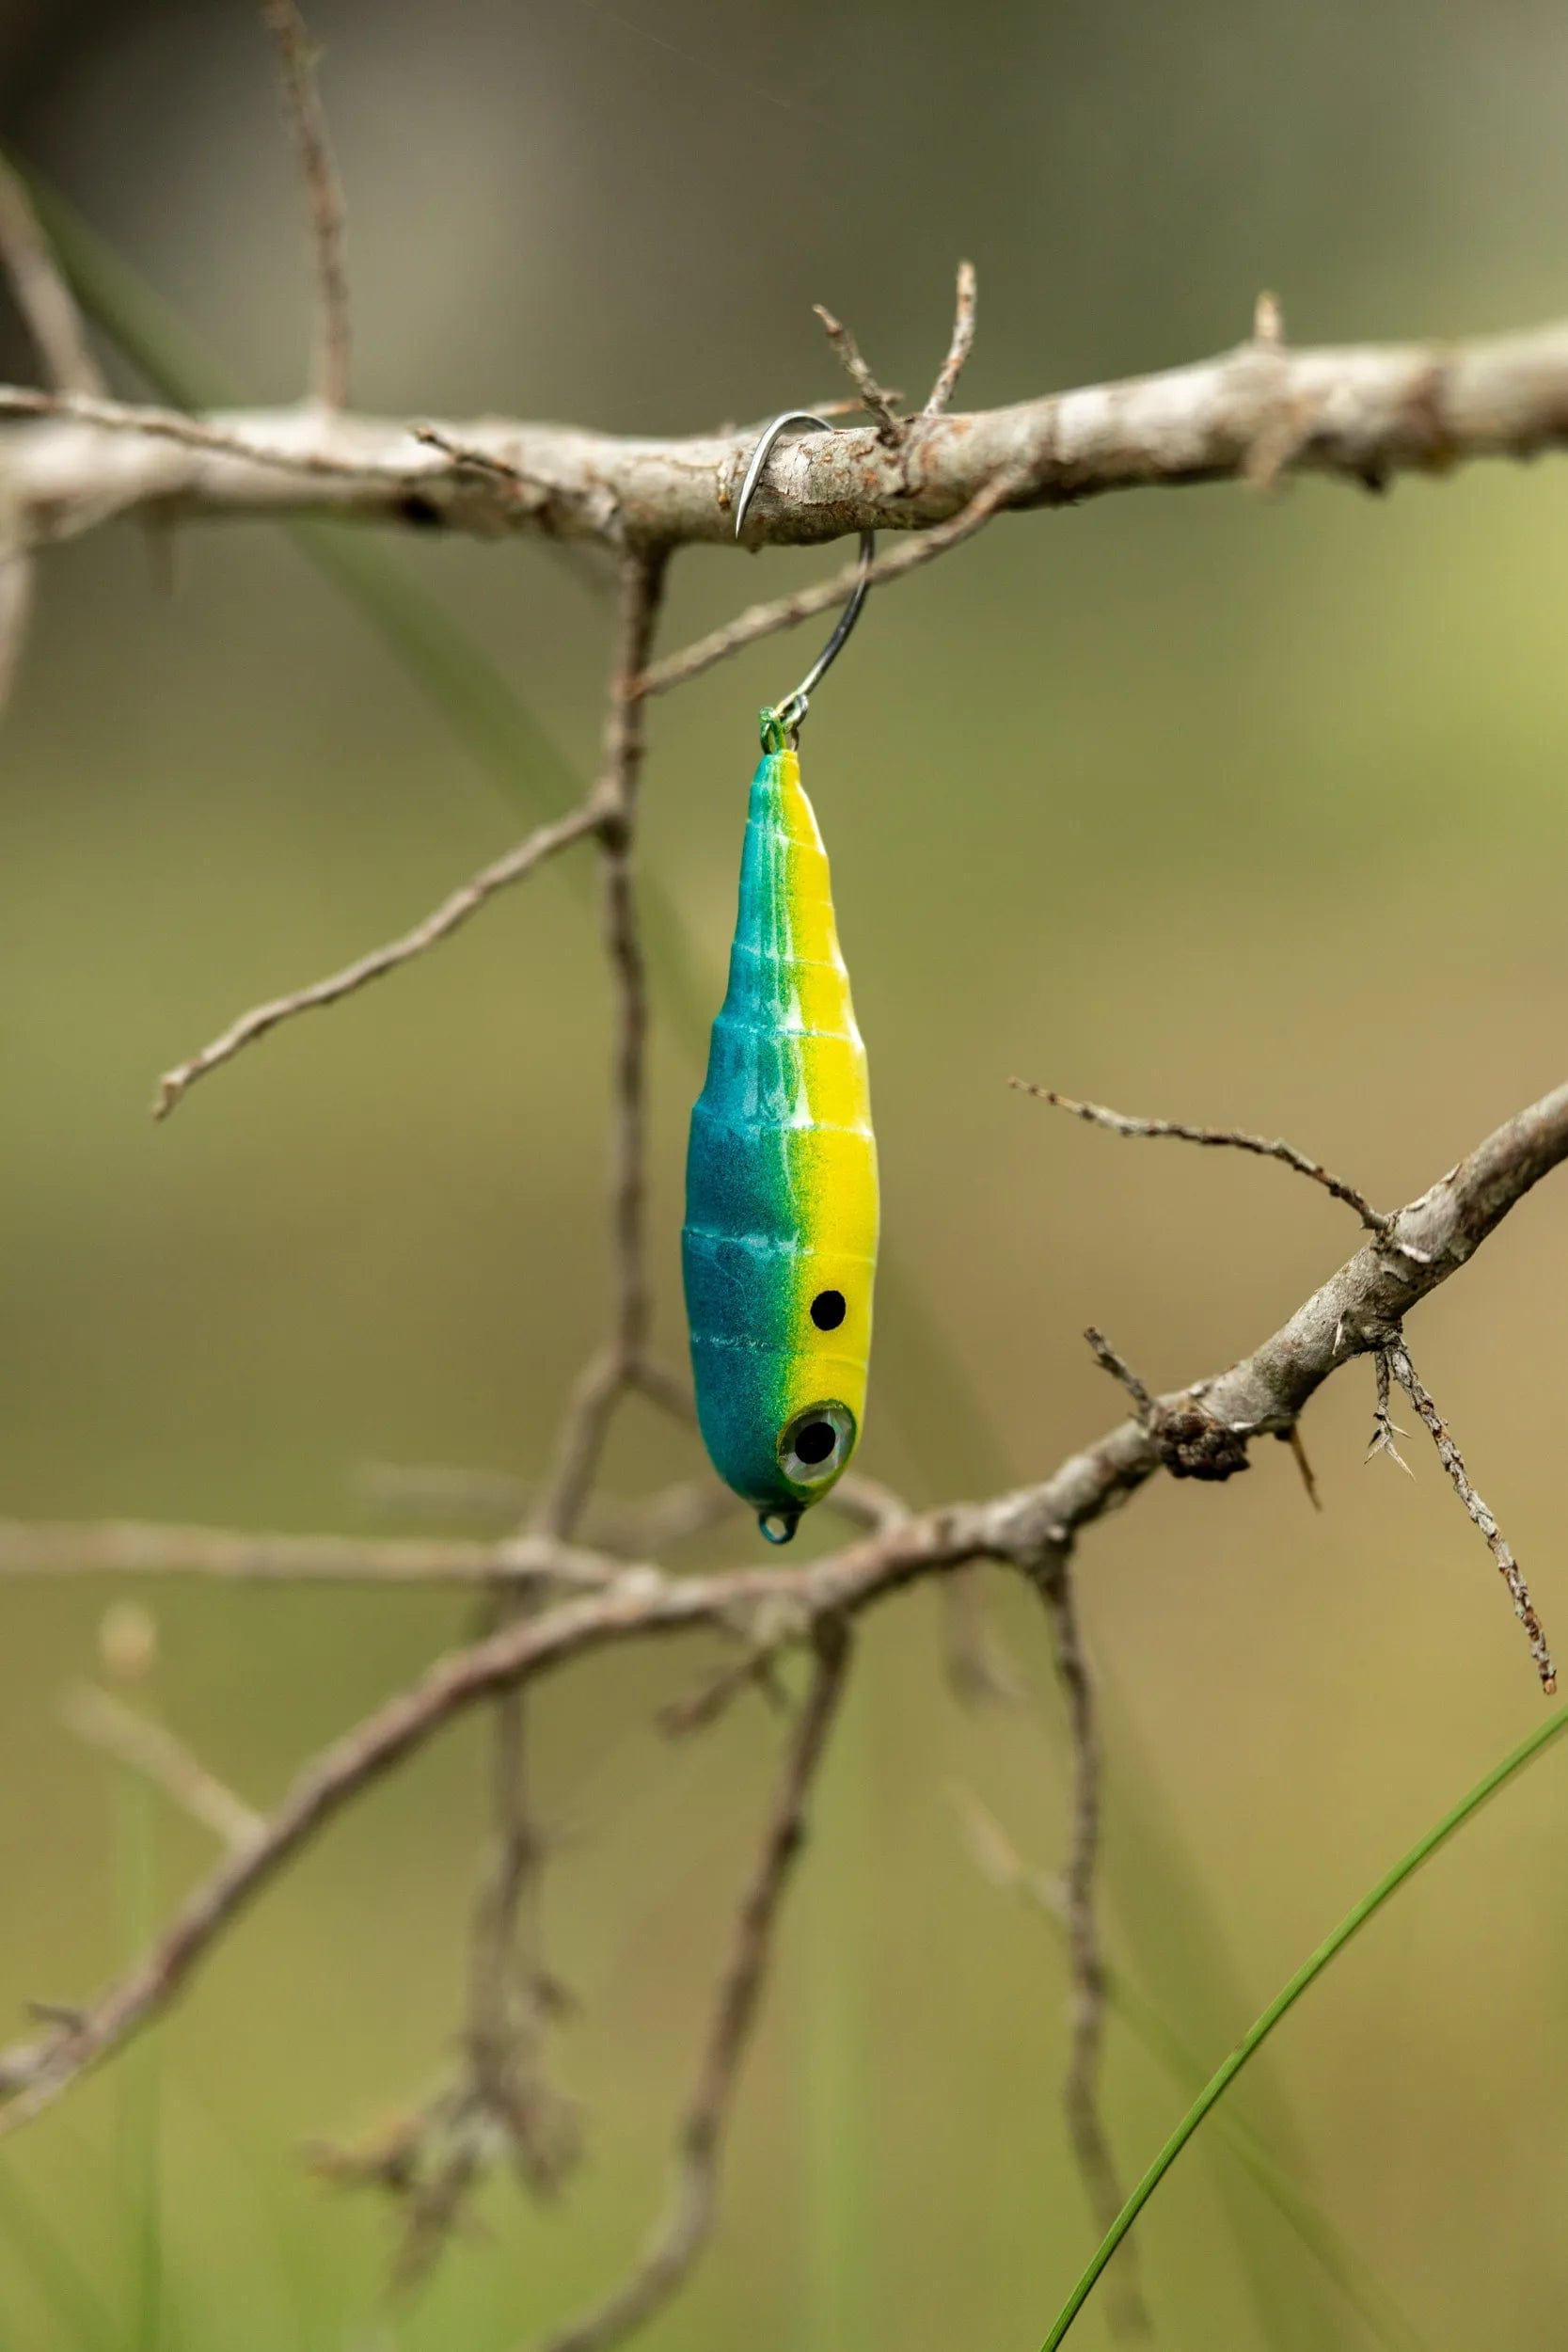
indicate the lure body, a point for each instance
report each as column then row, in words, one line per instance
column 780, row 1241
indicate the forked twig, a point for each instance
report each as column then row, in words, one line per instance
column 1233, row 1138
column 1452, row 1460
column 453, row 913
column 688, row 2221
column 324, row 195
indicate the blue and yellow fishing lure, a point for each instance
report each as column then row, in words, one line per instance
column 780, row 1243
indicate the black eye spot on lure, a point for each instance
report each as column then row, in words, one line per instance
column 827, row 1309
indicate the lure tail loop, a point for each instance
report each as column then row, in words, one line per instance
column 784, row 720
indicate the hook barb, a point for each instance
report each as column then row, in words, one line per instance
column 790, row 714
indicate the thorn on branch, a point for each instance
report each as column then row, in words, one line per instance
column 890, row 427
column 1404, row 1370
column 1293, row 1437
column 1233, row 1138
column 1268, row 321
column 960, row 346
column 1385, row 1430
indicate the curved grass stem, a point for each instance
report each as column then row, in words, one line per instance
column 1290, row 1994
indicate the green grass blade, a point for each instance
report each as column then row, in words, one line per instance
column 1290, row 1992
column 1160, row 2041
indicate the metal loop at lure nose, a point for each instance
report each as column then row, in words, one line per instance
column 790, row 714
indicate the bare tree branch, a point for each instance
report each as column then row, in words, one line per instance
column 687, row 2221
column 1363, row 413
column 453, row 913
column 1234, row 1139
column 1358, row 1310
column 324, row 194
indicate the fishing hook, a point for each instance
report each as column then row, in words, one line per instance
column 790, row 714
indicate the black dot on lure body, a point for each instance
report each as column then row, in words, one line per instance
column 815, row 1441
column 828, row 1311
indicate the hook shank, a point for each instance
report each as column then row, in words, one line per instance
column 790, row 714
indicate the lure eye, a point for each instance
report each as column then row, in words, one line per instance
column 815, row 1445
column 827, row 1309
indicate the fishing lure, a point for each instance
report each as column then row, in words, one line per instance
column 779, row 1248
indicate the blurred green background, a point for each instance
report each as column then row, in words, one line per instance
column 1231, row 808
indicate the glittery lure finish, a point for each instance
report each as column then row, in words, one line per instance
column 780, row 1241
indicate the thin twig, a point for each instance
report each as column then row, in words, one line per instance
column 960, row 346
column 688, row 2218
column 1234, row 1139
column 453, row 913
column 618, row 1365
column 324, row 194
column 509, row 2004
column 1080, row 2086
column 42, row 294
column 875, row 398
column 227, row 440
column 133, row 1548
column 106, row 1723
column 1107, row 1358
column 762, row 620
column 1452, row 1460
